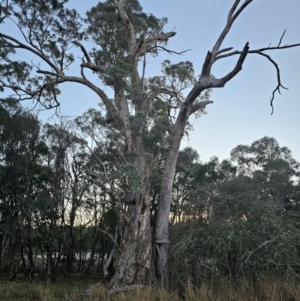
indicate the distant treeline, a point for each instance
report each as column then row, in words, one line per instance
column 64, row 192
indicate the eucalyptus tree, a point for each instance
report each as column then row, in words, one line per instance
column 109, row 165
column 21, row 177
column 194, row 182
column 123, row 36
column 272, row 165
column 241, row 239
column 63, row 193
column 240, row 217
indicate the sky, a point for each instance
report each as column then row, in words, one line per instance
column 241, row 111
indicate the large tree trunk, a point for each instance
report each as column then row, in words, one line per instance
column 136, row 252
column 136, row 246
column 165, row 199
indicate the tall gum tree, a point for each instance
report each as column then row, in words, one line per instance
column 123, row 36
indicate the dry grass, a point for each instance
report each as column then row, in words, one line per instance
column 264, row 291
column 70, row 291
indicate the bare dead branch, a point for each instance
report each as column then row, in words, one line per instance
column 194, row 108
column 206, row 65
column 24, row 94
column 224, row 50
column 206, row 81
column 211, row 56
column 84, row 81
column 171, row 51
column 279, row 84
column 160, row 37
column 232, row 10
column 258, row 50
column 237, row 68
column 108, row 104
column 281, row 38
column 238, row 12
column 230, row 20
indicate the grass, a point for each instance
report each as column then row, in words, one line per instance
column 70, row 289
column 61, row 290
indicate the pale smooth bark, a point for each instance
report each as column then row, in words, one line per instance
column 206, row 81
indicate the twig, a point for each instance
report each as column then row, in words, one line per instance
column 253, row 251
column 109, row 236
column 279, row 85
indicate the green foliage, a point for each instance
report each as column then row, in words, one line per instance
column 64, row 191
column 182, row 72
column 156, row 137
column 48, row 30
column 237, row 228
column 105, row 28
column 229, row 226
column 138, row 122
column 234, row 247
column 260, row 154
column 52, row 25
column 130, row 177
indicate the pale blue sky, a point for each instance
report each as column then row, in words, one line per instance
column 241, row 111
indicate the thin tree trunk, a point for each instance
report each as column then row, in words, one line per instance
column 70, row 250
column 28, row 239
column 30, row 266
column 49, row 250
column 108, row 266
column 49, row 264
column 108, row 263
column 93, row 251
column 96, row 234
column 2, row 240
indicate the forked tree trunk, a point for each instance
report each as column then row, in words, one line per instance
column 136, row 246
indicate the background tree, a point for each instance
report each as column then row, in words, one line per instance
column 22, row 155
column 271, row 164
column 238, row 230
